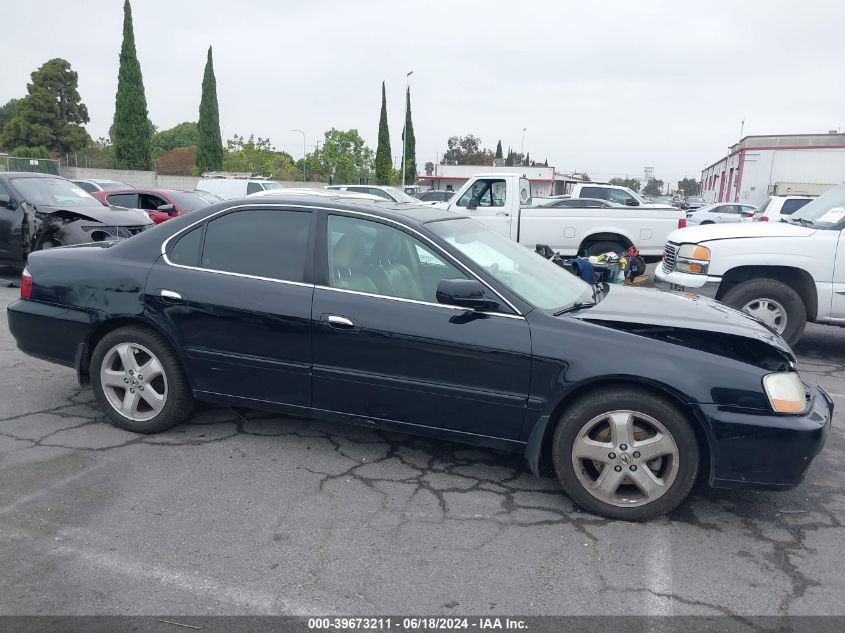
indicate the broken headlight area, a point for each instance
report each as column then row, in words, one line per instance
column 102, row 232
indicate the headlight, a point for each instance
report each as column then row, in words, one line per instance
column 693, row 258
column 785, row 392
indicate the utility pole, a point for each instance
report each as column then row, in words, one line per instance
column 304, row 152
column 522, row 147
column 404, row 123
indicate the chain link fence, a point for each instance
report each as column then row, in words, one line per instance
column 38, row 165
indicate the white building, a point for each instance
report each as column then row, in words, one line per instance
column 545, row 181
column 759, row 166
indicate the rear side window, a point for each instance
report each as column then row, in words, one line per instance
column 186, row 251
column 594, row 192
column 792, row 205
column 129, row 200
column 252, row 187
column 262, row 242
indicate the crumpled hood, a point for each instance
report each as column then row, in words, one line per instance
column 706, row 232
column 110, row 216
column 648, row 306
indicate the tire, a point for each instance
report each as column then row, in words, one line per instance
column 707, row 222
column 669, row 476
column 794, row 313
column 597, row 248
column 119, row 359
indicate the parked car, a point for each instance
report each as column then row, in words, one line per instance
column 783, row 273
column 503, row 202
column 578, row 203
column 160, row 204
column 612, row 193
column 436, row 195
column 313, row 307
column 694, row 202
column 325, row 193
column 394, row 194
column 40, row 211
column 210, row 198
column 231, row 188
column 778, row 208
column 720, row 213
column 100, row 185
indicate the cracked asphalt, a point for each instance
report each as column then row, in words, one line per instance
column 240, row 512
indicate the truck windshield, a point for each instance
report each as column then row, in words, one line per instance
column 825, row 212
column 532, row 277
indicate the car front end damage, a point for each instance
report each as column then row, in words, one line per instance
column 64, row 227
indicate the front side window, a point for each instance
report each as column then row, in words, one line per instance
column 151, row 202
column 376, row 258
column 252, row 187
column 488, row 192
column 269, row 243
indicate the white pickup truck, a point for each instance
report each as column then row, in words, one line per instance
column 784, row 273
column 503, row 202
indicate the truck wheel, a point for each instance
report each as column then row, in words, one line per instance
column 625, row 453
column 597, row 248
column 772, row 302
column 138, row 380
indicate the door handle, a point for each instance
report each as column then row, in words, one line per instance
column 170, row 294
column 503, row 213
column 339, row 322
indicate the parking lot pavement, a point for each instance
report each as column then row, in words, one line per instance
column 242, row 512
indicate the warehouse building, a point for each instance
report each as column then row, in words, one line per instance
column 545, row 181
column 759, row 166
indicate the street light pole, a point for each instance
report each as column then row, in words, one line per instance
column 303, row 154
column 404, row 124
column 522, row 147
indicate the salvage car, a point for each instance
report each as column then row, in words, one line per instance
column 420, row 320
column 39, row 211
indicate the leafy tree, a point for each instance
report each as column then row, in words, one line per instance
column 499, row 149
column 466, row 150
column 631, row 183
column 410, row 143
column 689, row 186
column 182, row 135
column 7, row 112
column 51, row 114
column 131, row 133
column 343, row 158
column 209, row 147
column 653, row 187
column 258, row 156
column 429, row 168
column 30, row 152
column 384, row 164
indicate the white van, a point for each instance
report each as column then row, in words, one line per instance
column 230, row 188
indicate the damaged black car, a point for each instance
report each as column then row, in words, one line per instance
column 40, row 211
column 422, row 321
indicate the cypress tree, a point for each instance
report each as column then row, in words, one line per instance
column 499, row 149
column 546, row 163
column 210, row 147
column 131, row 132
column 509, row 159
column 527, row 158
column 410, row 144
column 383, row 166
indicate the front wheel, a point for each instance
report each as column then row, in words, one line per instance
column 625, row 454
column 138, row 380
column 772, row 302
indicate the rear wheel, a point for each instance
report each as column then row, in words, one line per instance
column 597, row 248
column 139, row 381
column 772, row 302
column 625, row 454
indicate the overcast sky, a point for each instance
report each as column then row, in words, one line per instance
column 604, row 87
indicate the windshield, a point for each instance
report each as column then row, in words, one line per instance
column 825, row 212
column 534, row 278
column 211, row 198
column 54, row 192
column 189, row 201
column 400, row 195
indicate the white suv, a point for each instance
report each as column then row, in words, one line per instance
column 778, row 207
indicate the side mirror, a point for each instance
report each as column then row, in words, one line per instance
column 7, row 202
column 467, row 293
column 630, row 202
column 473, row 204
column 168, row 208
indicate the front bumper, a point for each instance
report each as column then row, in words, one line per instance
column 764, row 450
column 705, row 285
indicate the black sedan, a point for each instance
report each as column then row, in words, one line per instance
column 419, row 320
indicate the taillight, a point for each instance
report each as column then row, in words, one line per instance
column 763, row 218
column 682, row 223
column 26, row 284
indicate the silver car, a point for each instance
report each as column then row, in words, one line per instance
column 721, row 213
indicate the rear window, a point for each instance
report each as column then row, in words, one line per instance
column 792, row 205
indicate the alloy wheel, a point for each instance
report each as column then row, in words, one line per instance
column 134, row 381
column 769, row 312
column 625, row 458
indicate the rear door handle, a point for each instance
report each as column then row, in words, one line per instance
column 503, row 213
column 339, row 322
column 170, row 294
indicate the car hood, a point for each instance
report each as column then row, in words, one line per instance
column 707, row 232
column 110, row 216
column 649, row 311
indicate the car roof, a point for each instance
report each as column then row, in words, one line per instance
column 112, row 192
column 30, row 174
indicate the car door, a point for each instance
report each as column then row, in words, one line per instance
column 128, row 200
column 490, row 195
column 837, row 306
column 385, row 349
column 11, row 220
column 236, row 292
column 150, row 202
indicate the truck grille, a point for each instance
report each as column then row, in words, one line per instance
column 670, row 255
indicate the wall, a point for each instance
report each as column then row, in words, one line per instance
column 151, row 179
